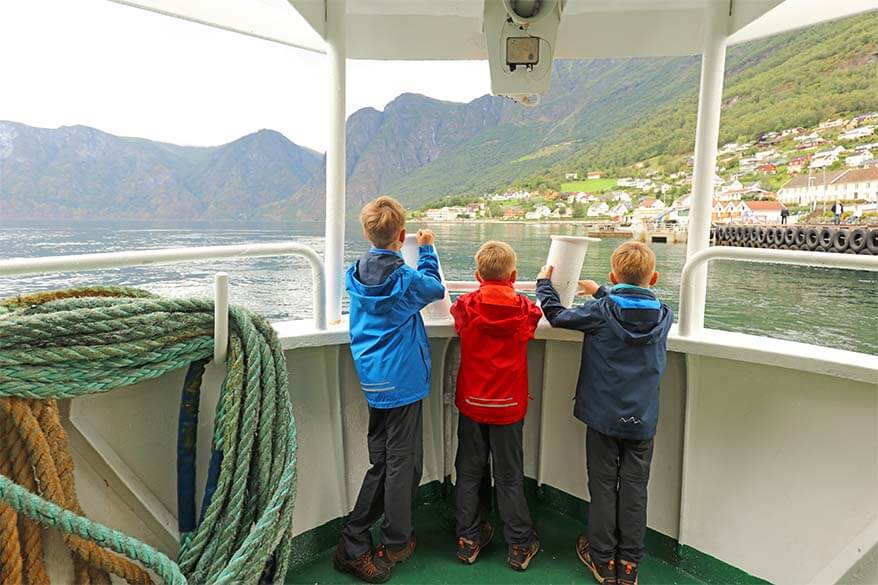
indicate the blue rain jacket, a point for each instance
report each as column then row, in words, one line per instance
column 624, row 354
column 388, row 339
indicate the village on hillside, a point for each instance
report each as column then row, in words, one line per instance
column 803, row 170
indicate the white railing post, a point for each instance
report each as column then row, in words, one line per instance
column 220, row 317
column 106, row 260
column 697, row 264
column 335, row 157
column 706, row 138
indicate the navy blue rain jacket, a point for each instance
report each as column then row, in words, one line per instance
column 624, row 354
column 388, row 339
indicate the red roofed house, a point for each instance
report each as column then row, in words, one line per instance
column 761, row 211
column 767, row 169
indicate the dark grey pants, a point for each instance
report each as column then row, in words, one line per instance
column 503, row 442
column 396, row 452
column 618, row 472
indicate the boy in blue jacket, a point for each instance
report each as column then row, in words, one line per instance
column 624, row 353
column 392, row 358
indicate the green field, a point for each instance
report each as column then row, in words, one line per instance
column 589, row 186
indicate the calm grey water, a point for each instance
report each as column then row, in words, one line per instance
column 834, row 308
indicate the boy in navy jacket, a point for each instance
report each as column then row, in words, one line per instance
column 624, row 353
column 392, row 358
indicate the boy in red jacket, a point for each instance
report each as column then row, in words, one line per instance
column 494, row 324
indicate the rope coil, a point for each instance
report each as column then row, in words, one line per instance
column 78, row 342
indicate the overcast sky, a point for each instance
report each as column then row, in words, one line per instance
column 135, row 73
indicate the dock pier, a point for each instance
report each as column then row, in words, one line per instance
column 840, row 239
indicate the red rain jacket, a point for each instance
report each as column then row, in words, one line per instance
column 494, row 324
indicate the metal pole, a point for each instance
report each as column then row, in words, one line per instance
column 335, row 158
column 220, row 317
column 706, row 138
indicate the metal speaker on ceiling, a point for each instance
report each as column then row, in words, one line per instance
column 520, row 37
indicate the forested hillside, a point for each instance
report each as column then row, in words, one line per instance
column 600, row 114
column 796, row 79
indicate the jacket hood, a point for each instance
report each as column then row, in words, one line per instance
column 496, row 314
column 382, row 297
column 636, row 316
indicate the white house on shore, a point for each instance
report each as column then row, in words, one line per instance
column 444, row 213
column 828, row 187
column 761, row 211
column 826, row 158
column 598, row 210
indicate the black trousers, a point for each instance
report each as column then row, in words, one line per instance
column 396, row 452
column 503, row 442
column 618, row 472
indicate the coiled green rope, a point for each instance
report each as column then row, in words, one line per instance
column 72, row 343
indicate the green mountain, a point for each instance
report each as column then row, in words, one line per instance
column 796, row 79
column 599, row 114
column 77, row 172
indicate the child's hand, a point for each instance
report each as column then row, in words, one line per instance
column 587, row 288
column 425, row 237
column 545, row 272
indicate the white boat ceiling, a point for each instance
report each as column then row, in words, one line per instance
column 452, row 29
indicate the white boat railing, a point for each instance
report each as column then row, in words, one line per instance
column 465, row 286
column 107, row 260
column 690, row 322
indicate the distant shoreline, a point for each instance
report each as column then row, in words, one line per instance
column 577, row 222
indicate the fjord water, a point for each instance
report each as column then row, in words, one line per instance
column 829, row 307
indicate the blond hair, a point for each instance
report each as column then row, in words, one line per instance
column 495, row 260
column 633, row 263
column 382, row 218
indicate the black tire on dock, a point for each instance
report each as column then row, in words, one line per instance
column 783, row 247
column 872, row 241
column 826, row 238
column 812, row 238
column 801, row 238
column 761, row 235
column 857, row 240
column 770, row 236
column 772, row 246
column 840, row 240
column 789, row 236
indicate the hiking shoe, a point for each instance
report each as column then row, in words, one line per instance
column 363, row 567
column 604, row 573
column 386, row 558
column 626, row 572
column 468, row 550
column 520, row 555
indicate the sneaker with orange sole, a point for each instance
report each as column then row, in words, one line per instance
column 387, row 558
column 468, row 550
column 604, row 573
column 363, row 567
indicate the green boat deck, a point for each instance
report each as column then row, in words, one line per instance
column 434, row 560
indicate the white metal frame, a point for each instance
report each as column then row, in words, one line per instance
column 710, row 94
column 692, row 305
column 102, row 261
column 336, row 165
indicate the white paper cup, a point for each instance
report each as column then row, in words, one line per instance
column 441, row 308
column 567, row 255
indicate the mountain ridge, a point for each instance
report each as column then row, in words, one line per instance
column 600, row 114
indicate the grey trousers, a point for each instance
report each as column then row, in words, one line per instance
column 396, row 452
column 618, row 472
column 503, row 442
